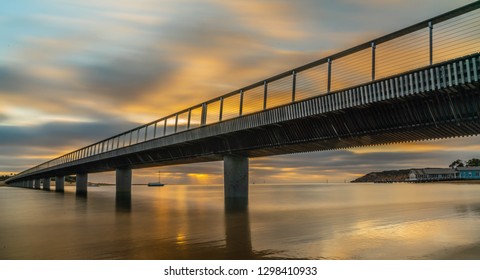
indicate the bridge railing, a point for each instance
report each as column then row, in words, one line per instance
column 450, row 35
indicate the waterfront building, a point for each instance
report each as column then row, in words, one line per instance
column 432, row 174
column 472, row 172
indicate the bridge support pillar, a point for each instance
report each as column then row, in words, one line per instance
column 235, row 176
column 81, row 184
column 46, row 184
column 37, row 183
column 30, row 184
column 59, row 183
column 123, row 180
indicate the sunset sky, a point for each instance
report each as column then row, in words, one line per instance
column 75, row 72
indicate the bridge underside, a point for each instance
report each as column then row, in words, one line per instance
column 433, row 115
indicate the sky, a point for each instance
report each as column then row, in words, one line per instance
column 75, row 72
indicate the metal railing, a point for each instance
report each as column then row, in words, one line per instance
column 450, row 35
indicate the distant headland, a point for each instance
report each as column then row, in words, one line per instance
column 458, row 170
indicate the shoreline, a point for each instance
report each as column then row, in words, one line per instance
column 457, row 182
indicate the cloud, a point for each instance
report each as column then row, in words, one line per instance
column 61, row 134
column 11, row 79
column 124, row 79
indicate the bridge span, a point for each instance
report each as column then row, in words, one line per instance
column 419, row 83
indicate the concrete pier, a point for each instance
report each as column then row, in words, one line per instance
column 46, row 184
column 37, row 183
column 123, row 180
column 59, row 183
column 123, row 196
column 235, row 176
column 82, row 183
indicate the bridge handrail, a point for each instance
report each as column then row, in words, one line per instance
column 363, row 63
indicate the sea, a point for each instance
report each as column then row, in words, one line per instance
column 291, row 221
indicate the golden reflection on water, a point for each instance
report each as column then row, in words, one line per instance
column 397, row 221
column 416, row 240
column 180, row 239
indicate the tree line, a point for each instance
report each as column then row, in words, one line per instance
column 5, row 177
column 469, row 163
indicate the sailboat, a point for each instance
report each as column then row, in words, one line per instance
column 156, row 184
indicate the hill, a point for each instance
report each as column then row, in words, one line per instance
column 384, row 176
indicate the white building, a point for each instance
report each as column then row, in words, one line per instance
column 432, row 174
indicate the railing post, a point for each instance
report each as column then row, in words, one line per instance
column 146, row 131
column 373, row 60
column 329, row 78
column 130, row 142
column 176, row 122
column 221, row 109
column 240, row 113
column 265, row 89
column 294, row 84
column 204, row 115
column 155, row 130
column 164, row 127
column 430, row 28
column 189, row 117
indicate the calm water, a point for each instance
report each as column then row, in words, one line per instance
column 325, row 221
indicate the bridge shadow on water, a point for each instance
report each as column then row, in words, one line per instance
column 236, row 245
column 123, row 202
column 238, row 242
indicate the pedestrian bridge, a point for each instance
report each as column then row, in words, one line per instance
column 418, row 83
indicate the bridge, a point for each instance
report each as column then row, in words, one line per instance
column 418, row 83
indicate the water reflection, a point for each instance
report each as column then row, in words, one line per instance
column 81, row 194
column 123, row 202
column 466, row 209
column 188, row 222
column 237, row 229
column 80, row 203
